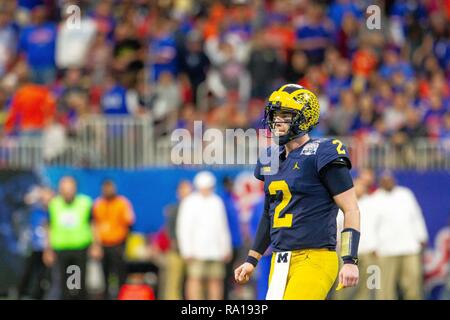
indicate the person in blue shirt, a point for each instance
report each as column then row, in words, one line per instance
column 315, row 34
column 118, row 100
column 35, row 274
column 392, row 63
column 236, row 239
column 340, row 8
column 163, row 49
column 37, row 44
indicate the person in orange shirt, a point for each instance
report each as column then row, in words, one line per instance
column 113, row 217
column 32, row 108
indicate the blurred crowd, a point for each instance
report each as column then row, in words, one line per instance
column 217, row 61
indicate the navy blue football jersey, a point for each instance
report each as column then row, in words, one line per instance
column 302, row 211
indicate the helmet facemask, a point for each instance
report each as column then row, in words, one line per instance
column 297, row 121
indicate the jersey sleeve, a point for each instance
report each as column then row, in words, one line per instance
column 330, row 150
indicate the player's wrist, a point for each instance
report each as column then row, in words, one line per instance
column 351, row 260
column 252, row 260
column 349, row 246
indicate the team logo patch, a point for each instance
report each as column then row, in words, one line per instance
column 266, row 169
column 296, row 167
column 310, row 148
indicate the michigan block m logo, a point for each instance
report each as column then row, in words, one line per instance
column 282, row 257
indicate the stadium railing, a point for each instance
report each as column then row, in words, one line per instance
column 130, row 143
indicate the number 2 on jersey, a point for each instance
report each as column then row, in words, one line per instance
column 339, row 147
column 286, row 221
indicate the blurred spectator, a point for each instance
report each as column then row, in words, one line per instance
column 100, row 58
column 73, row 42
column 366, row 116
column 204, row 239
column 340, row 79
column 135, row 289
column 228, row 74
column 35, row 279
column 445, row 132
column 339, row 8
column 296, row 69
column 279, row 30
column 230, row 202
column 342, row 117
column 264, row 66
column 127, row 54
column 37, row 43
column 32, row 108
column 194, row 62
column 175, row 267
column 347, row 37
column 367, row 178
column 314, row 34
column 410, row 131
column 104, row 18
column 414, row 127
column 69, row 238
column 393, row 63
column 118, row 100
column 163, row 50
column 401, row 237
column 434, row 114
column 8, row 37
column 113, row 217
column 166, row 102
column 364, row 60
column 395, row 117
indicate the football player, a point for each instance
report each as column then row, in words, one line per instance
column 302, row 196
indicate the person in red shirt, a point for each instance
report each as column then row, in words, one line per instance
column 32, row 108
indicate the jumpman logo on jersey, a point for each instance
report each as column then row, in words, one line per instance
column 296, row 166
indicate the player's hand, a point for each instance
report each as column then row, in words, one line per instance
column 49, row 257
column 243, row 273
column 349, row 275
column 96, row 251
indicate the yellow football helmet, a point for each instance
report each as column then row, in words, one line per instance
column 295, row 99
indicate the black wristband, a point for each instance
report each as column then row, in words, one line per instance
column 349, row 245
column 350, row 260
column 252, row 260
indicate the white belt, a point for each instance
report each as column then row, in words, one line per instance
column 280, row 273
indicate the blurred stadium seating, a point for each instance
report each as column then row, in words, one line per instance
column 102, row 100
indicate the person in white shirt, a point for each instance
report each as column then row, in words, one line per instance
column 367, row 244
column 74, row 40
column 204, row 239
column 401, row 238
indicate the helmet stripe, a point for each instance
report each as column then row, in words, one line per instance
column 290, row 88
